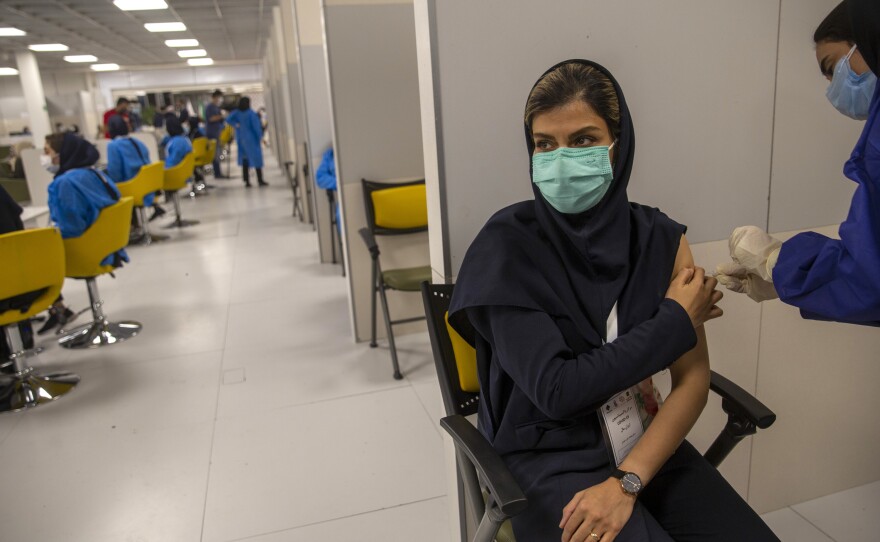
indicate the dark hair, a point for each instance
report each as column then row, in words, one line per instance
column 244, row 103
column 575, row 81
column 121, row 101
column 116, row 126
column 55, row 141
column 836, row 26
column 217, row 94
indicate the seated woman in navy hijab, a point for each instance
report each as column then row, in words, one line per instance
column 579, row 297
column 79, row 191
column 125, row 157
column 177, row 145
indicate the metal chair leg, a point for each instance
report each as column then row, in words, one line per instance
column 26, row 388
column 391, row 345
column 373, row 343
column 99, row 332
column 179, row 222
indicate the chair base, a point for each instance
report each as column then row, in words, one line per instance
column 28, row 389
column 97, row 334
column 181, row 223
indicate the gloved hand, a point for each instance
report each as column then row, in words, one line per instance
column 737, row 278
column 753, row 249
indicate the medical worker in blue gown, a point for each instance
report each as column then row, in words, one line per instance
column 248, row 133
column 830, row 279
column 79, row 191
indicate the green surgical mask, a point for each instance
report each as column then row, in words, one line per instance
column 573, row 180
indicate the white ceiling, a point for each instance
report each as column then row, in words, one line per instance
column 230, row 30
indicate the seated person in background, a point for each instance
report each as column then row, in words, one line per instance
column 177, row 145
column 195, row 127
column 125, row 157
column 13, row 167
column 121, row 109
column 576, row 297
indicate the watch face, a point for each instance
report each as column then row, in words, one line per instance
column 631, row 483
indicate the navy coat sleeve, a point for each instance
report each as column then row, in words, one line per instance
column 532, row 350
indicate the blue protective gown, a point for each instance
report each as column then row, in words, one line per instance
column 248, row 134
column 830, row 279
column 176, row 148
column 76, row 197
column 325, row 177
column 125, row 157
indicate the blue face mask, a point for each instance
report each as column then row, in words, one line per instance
column 850, row 93
column 573, row 180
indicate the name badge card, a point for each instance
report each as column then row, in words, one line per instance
column 621, row 424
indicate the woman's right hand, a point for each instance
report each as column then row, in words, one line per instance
column 696, row 293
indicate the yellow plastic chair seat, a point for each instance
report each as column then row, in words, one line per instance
column 148, row 180
column 201, row 146
column 402, row 207
column 226, row 135
column 407, row 279
column 108, row 234
column 33, row 260
column 176, row 177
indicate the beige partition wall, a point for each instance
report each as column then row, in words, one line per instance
column 374, row 101
column 727, row 102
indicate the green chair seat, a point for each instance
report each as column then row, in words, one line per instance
column 407, row 279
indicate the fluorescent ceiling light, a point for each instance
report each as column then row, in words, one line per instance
column 81, row 58
column 165, row 27
column 200, row 61
column 45, row 47
column 190, row 53
column 138, row 5
column 104, row 67
column 8, row 71
column 182, row 43
column 9, row 31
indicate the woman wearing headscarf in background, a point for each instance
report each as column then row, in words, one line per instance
column 578, row 297
column 248, row 133
column 126, row 156
column 830, row 279
column 177, row 145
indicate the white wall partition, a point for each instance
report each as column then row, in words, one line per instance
column 371, row 55
column 732, row 128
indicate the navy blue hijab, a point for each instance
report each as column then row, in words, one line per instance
column 75, row 153
column 574, row 267
column 865, row 20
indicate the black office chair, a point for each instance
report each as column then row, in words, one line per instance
column 487, row 486
column 394, row 209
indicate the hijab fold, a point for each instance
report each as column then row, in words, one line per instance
column 76, row 152
column 865, row 20
column 574, row 267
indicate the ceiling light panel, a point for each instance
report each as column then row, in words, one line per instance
column 81, row 58
column 9, row 31
column 140, row 5
column 200, row 61
column 104, row 67
column 182, row 43
column 190, row 53
column 8, row 71
column 165, row 27
column 47, row 47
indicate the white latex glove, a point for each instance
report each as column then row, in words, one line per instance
column 737, row 278
column 753, row 249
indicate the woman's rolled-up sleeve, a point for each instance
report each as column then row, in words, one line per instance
column 563, row 384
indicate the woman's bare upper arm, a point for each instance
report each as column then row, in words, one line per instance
column 684, row 258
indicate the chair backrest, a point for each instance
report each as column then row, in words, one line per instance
column 34, row 261
column 396, row 208
column 148, row 180
column 454, row 358
column 105, row 236
column 212, row 148
column 200, row 150
column 149, row 140
column 176, row 176
column 38, row 177
column 226, row 134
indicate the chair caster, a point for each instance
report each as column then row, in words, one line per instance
column 29, row 389
column 96, row 334
column 398, row 376
column 374, row 345
column 180, row 223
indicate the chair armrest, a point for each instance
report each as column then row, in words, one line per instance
column 499, row 481
column 738, row 402
column 370, row 241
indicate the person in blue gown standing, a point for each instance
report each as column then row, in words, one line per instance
column 830, row 279
column 248, row 133
column 79, row 191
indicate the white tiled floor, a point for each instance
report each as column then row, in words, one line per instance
column 245, row 412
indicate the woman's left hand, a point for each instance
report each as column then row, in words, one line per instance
column 601, row 510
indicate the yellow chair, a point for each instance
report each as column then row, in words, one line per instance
column 148, row 180
column 394, row 209
column 175, row 179
column 30, row 282
column 84, row 255
column 201, row 147
column 227, row 136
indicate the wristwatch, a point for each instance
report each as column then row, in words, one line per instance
column 629, row 481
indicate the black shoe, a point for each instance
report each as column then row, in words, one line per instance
column 247, row 185
column 264, row 183
column 157, row 212
column 67, row 317
column 51, row 322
